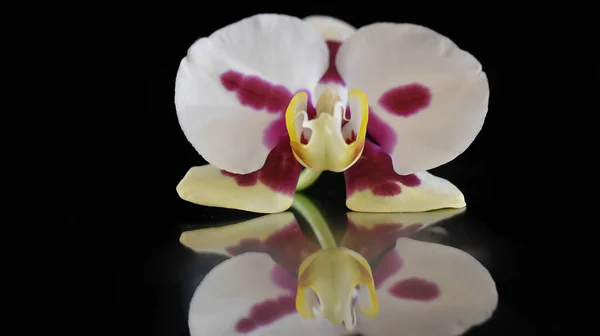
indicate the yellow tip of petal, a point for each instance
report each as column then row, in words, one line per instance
column 304, row 306
column 297, row 105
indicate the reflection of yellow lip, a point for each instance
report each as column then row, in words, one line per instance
column 331, row 277
column 327, row 148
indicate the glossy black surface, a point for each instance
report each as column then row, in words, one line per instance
column 104, row 256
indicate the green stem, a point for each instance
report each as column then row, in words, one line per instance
column 316, row 221
column 307, row 178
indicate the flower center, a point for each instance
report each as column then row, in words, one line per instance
column 330, row 141
column 327, row 102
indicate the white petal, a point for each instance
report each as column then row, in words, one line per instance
column 229, row 292
column 222, row 122
column 330, row 27
column 428, row 96
column 467, row 293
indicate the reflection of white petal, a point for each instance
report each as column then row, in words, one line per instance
column 467, row 296
column 228, row 293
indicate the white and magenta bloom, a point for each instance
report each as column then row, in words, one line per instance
column 267, row 96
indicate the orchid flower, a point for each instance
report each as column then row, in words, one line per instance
column 264, row 288
column 268, row 96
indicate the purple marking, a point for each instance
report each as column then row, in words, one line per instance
column 389, row 265
column 370, row 242
column 383, row 133
column 374, row 171
column 406, row 100
column 311, row 111
column 287, row 246
column 282, row 278
column 231, row 80
column 332, row 75
column 386, row 189
column 275, row 132
column 280, row 172
column 259, row 94
column 252, row 91
column 243, row 180
column 267, row 312
column 415, row 289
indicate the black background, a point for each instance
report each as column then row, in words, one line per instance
column 101, row 258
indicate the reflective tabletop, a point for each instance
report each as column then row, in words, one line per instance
column 441, row 272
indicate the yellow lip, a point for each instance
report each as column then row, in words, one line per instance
column 327, row 147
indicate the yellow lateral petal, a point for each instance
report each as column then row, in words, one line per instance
column 206, row 185
column 433, row 193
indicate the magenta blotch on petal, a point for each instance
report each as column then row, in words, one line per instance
column 267, row 312
column 282, row 278
column 275, row 132
column 287, row 246
column 332, row 75
column 374, row 171
column 383, row 133
column 415, row 289
column 280, row 172
column 231, row 80
column 257, row 93
column 406, row 100
column 370, row 242
column 386, row 189
column 389, row 265
column 243, row 180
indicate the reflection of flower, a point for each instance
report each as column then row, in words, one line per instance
column 422, row 288
column 429, row 289
column 264, row 96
